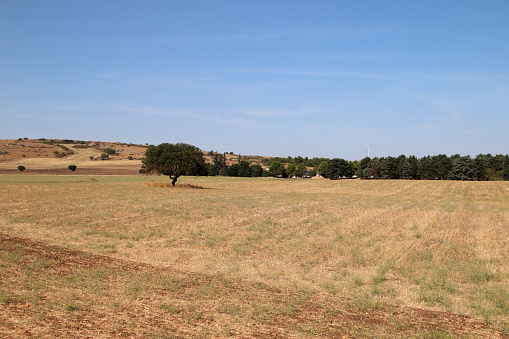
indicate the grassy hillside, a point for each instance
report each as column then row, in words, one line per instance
column 48, row 156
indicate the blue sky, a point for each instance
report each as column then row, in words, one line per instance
column 273, row 78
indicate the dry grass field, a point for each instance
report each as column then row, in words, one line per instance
column 113, row 256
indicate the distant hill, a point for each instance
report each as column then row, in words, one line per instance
column 52, row 156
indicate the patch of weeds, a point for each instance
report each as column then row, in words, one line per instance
column 504, row 329
column 293, row 304
column 116, row 306
column 332, row 312
column 122, row 236
column 90, row 232
column 71, row 304
column 438, row 334
column 436, row 288
column 135, row 290
column 377, row 291
column 75, row 279
column 170, row 283
column 7, row 298
column 358, row 258
column 41, row 263
column 170, row 308
column 365, row 302
column 331, row 288
column 137, row 236
column 107, row 234
column 421, row 258
column 72, row 307
column 358, row 281
column 194, row 314
column 230, row 309
column 499, row 297
column 378, row 279
column 98, row 273
column 263, row 312
column 107, row 246
column 214, row 241
column 169, row 242
column 110, row 248
column 403, row 325
column 479, row 271
column 9, row 259
column 208, row 290
column 433, row 297
column 290, row 309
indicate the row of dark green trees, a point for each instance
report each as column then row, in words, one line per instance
column 180, row 159
column 437, row 167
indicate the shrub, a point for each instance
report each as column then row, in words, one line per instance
column 109, row 151
column 72, row 167
column 21, row 168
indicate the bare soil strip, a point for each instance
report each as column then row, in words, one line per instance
column 81, row 295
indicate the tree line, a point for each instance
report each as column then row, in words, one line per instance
column 182, row 159
column 483, row 167
column 438, row 167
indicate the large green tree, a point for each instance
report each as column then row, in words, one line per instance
column 461, row 168
column 338, row 168
column 174, row 160
column 276, row 169
column 300, row 170
column 322, row 169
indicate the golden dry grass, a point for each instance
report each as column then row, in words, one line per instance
column 433, row 245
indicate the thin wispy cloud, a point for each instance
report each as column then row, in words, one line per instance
column 315, row 74
column 190, row 114
column 283, row 112
column 286, row 36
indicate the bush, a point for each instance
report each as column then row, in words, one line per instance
column 109, row 151
column 21, row 168
column 72, row 167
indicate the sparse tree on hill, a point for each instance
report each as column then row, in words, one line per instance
column 174, row 160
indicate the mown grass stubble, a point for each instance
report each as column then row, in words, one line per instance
column 432, row 244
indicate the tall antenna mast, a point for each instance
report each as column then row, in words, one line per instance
column 369, row 149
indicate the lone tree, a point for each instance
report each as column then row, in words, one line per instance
column 174, row 160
